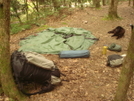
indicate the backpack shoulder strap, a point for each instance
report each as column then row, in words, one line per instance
column 44, row 89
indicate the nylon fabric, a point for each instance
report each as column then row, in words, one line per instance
column 53, row 41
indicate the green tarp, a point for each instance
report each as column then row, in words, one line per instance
column 54, row 40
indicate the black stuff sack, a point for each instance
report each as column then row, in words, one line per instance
column 114, row 60
column 32, row 67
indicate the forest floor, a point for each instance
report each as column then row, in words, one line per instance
column 88, row 79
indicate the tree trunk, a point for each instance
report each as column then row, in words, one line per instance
column 64, row 3
column 15, row 9
column 133, row 3
column 80, row 3
column 104, row 2
column 56, row 4
column 6, row 77
column 96, row 3
column 26, row 9
column 69, row 3
column 126, row 72
column 112, row 13
column 36, row 8
column 129, row 3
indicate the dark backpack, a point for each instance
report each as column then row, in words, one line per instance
column 26, row 72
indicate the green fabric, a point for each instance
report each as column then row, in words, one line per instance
column 114, row 47
column 52, row 40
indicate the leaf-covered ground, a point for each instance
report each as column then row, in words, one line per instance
column 87, row 79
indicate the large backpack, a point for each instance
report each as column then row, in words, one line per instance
column 32, row 67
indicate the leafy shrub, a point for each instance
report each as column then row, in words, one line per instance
column 17, row 27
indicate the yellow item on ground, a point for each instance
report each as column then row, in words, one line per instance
column 104, row 52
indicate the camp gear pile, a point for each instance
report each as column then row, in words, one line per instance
column 32, row 67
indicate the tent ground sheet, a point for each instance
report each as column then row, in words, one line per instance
column 55, row 40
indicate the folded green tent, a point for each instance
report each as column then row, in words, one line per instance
column 55, row 40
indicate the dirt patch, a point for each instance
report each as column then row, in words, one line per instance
column 88, row 79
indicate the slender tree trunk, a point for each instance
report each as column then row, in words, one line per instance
column 17, row 15
column 69, row 3
column 133, row 3
column 56, row 4
column 36, row 8
column 129, row 3
column 6, row 77
column 80, row 3
column 64, row 2
column 96, row 3
column 104, row 2
column 26, row 9
column 76, row 3
column 13, row 3
column 126, row 72
column 112, row 13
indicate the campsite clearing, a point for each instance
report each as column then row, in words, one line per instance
column 87, row 79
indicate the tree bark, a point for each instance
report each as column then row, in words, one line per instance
column 133, row 3
column 6, row 77
column 56, row 4
column 26, row 9
column 15, row 9
column 104, row 2
column 96, row 3
column 112, row 13
column 126, row 72
column 129, row 3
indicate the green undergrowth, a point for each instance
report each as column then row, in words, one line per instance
column 41, row 28
column 17, row 27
